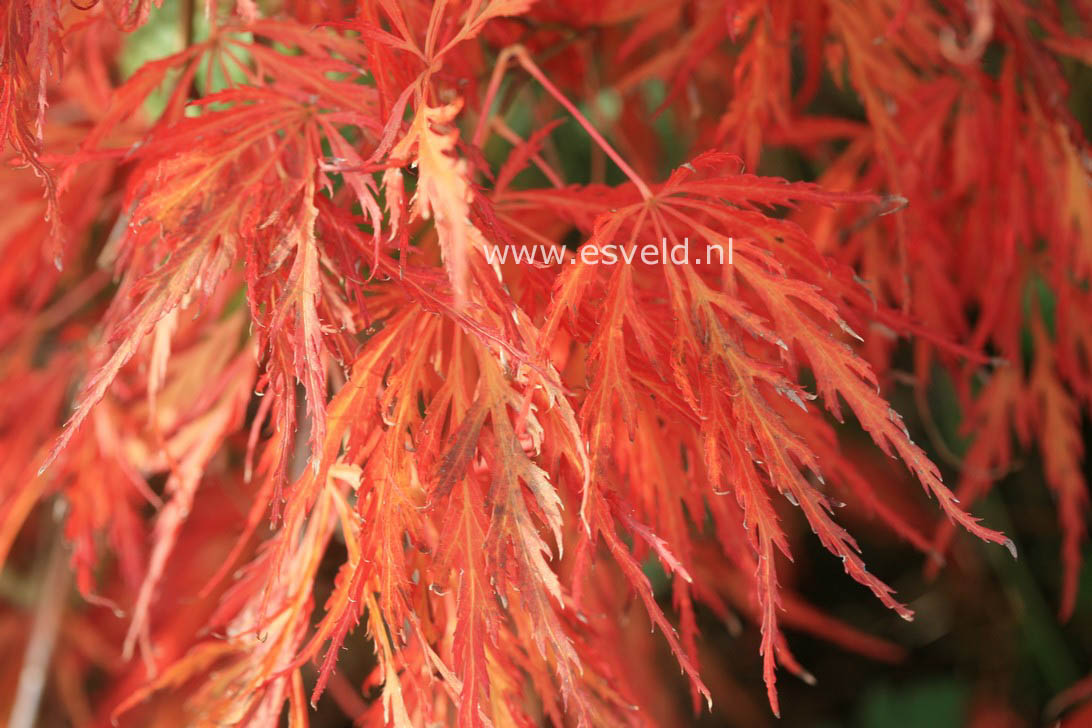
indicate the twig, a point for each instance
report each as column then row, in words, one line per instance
column 52, row 594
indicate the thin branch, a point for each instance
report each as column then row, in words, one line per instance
column 52, row 595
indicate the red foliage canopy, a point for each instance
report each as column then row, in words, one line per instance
column 274, row 301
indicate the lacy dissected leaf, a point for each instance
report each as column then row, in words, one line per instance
column 723, row 342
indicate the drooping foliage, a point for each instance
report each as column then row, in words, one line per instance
column 282, row 408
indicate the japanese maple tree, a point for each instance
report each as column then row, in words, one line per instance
column 273, row 403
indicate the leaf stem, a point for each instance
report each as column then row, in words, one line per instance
column 523, row 57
